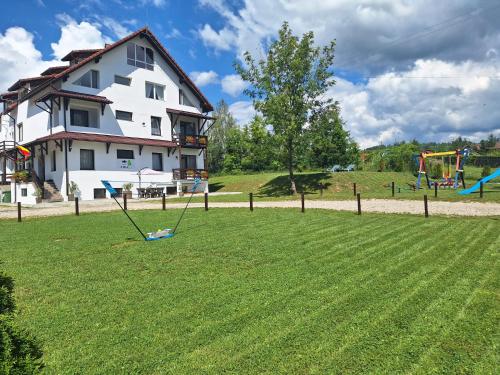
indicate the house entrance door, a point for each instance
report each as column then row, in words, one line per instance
column 41, row 167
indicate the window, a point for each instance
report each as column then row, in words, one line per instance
column 157, row 161
column 124, row 154
column 188, row 162
column 139, row 56
column 84, row 117
column 20, row 132
column 155, row 125
column 187, row 128
column 99, row 193
column 123, row 115
column 89, row 79
column 123, row 80
column 53, row 165
column 24, row 192
column 183, row 100
column 154, row 91
column 87, row 160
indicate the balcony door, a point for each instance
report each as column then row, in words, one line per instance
column 188, row 162
column 188, row 128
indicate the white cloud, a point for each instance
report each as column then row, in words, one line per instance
column 77, row 36
column 19, row 57
column 156, row 3
column 233, row 85
column 243, row 112
column 114, row 26
column 397, row 106
column 221, row 40
column 201, row 79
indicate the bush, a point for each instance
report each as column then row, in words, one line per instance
column 486, row 171
column 436, row 170
column 19, row 352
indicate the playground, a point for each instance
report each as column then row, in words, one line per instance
column 333, row 292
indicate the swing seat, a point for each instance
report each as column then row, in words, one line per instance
column 159, row 235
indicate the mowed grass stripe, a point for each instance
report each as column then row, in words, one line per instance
column 331, row 308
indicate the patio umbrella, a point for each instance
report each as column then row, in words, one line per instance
column 146, row 172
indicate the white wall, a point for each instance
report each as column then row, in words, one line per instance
column 30, row 197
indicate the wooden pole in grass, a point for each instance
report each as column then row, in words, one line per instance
column 358, row 197
column 163, row 202
column 435, row 190
column 250, row 197
column 206, row 201
column 392, row 187
column 354, row 188
column 426, row 206
column 125, row 202
column 481, row 189
column 19, row 211
column 77, row 207
column 302, row 202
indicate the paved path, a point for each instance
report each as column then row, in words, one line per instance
column 369, row 205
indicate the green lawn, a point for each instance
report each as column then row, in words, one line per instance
column 275, row 186
column 268, row 291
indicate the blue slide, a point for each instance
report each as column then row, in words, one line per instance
column 478, row 184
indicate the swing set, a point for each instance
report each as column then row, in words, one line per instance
column 160, row 233
column 446, row 180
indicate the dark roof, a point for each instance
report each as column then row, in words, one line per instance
column 82, row 53
column 22, row 81
column 190, row 114
column 106, row 138
column 76, row 95
column 206, row 106
column 54, row 70
column 9, row 108
column 9, row 95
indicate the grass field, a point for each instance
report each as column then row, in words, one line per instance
column 275, row 186
column 268, row 291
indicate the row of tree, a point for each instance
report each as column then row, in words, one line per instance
column 255, row 147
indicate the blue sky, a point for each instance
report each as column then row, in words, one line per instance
column 405, row 69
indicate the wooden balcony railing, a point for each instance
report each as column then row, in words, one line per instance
column 189, row 174
column 199, row 141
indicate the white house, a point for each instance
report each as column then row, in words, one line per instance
column 106, row 115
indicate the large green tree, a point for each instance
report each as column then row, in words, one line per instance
column 218, row 136
column 329, row 142
column 288, row 86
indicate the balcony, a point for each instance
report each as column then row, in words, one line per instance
column 189, row 174
column 195, row 141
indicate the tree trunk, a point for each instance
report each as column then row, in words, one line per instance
column 293, row 188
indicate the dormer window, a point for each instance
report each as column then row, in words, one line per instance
column 139, row 56
column 89, row 79
column 183, row 99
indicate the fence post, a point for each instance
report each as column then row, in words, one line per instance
column 481, row 189
column 392, row 186
column 302, row 201
column 358, row 196
column 354, row 188
column 77, row 207
column 206, row 201
column 163, row 202
column 435, row 190
column 426, row 207
column 19, row 211
column 125, row 202
column 250, row 196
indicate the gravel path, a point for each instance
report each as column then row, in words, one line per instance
column 369, row 205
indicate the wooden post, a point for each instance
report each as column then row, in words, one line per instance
column 435, row 190
column 392, row 186
column 19, row 211
column 426, row 207
column 358, row 196
column 163, row 202
column 206, row 201
column 250, row 196
column 354, row 188
column 77, row 207
column 125, row 202
column 481, row 189
column 302, row 201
